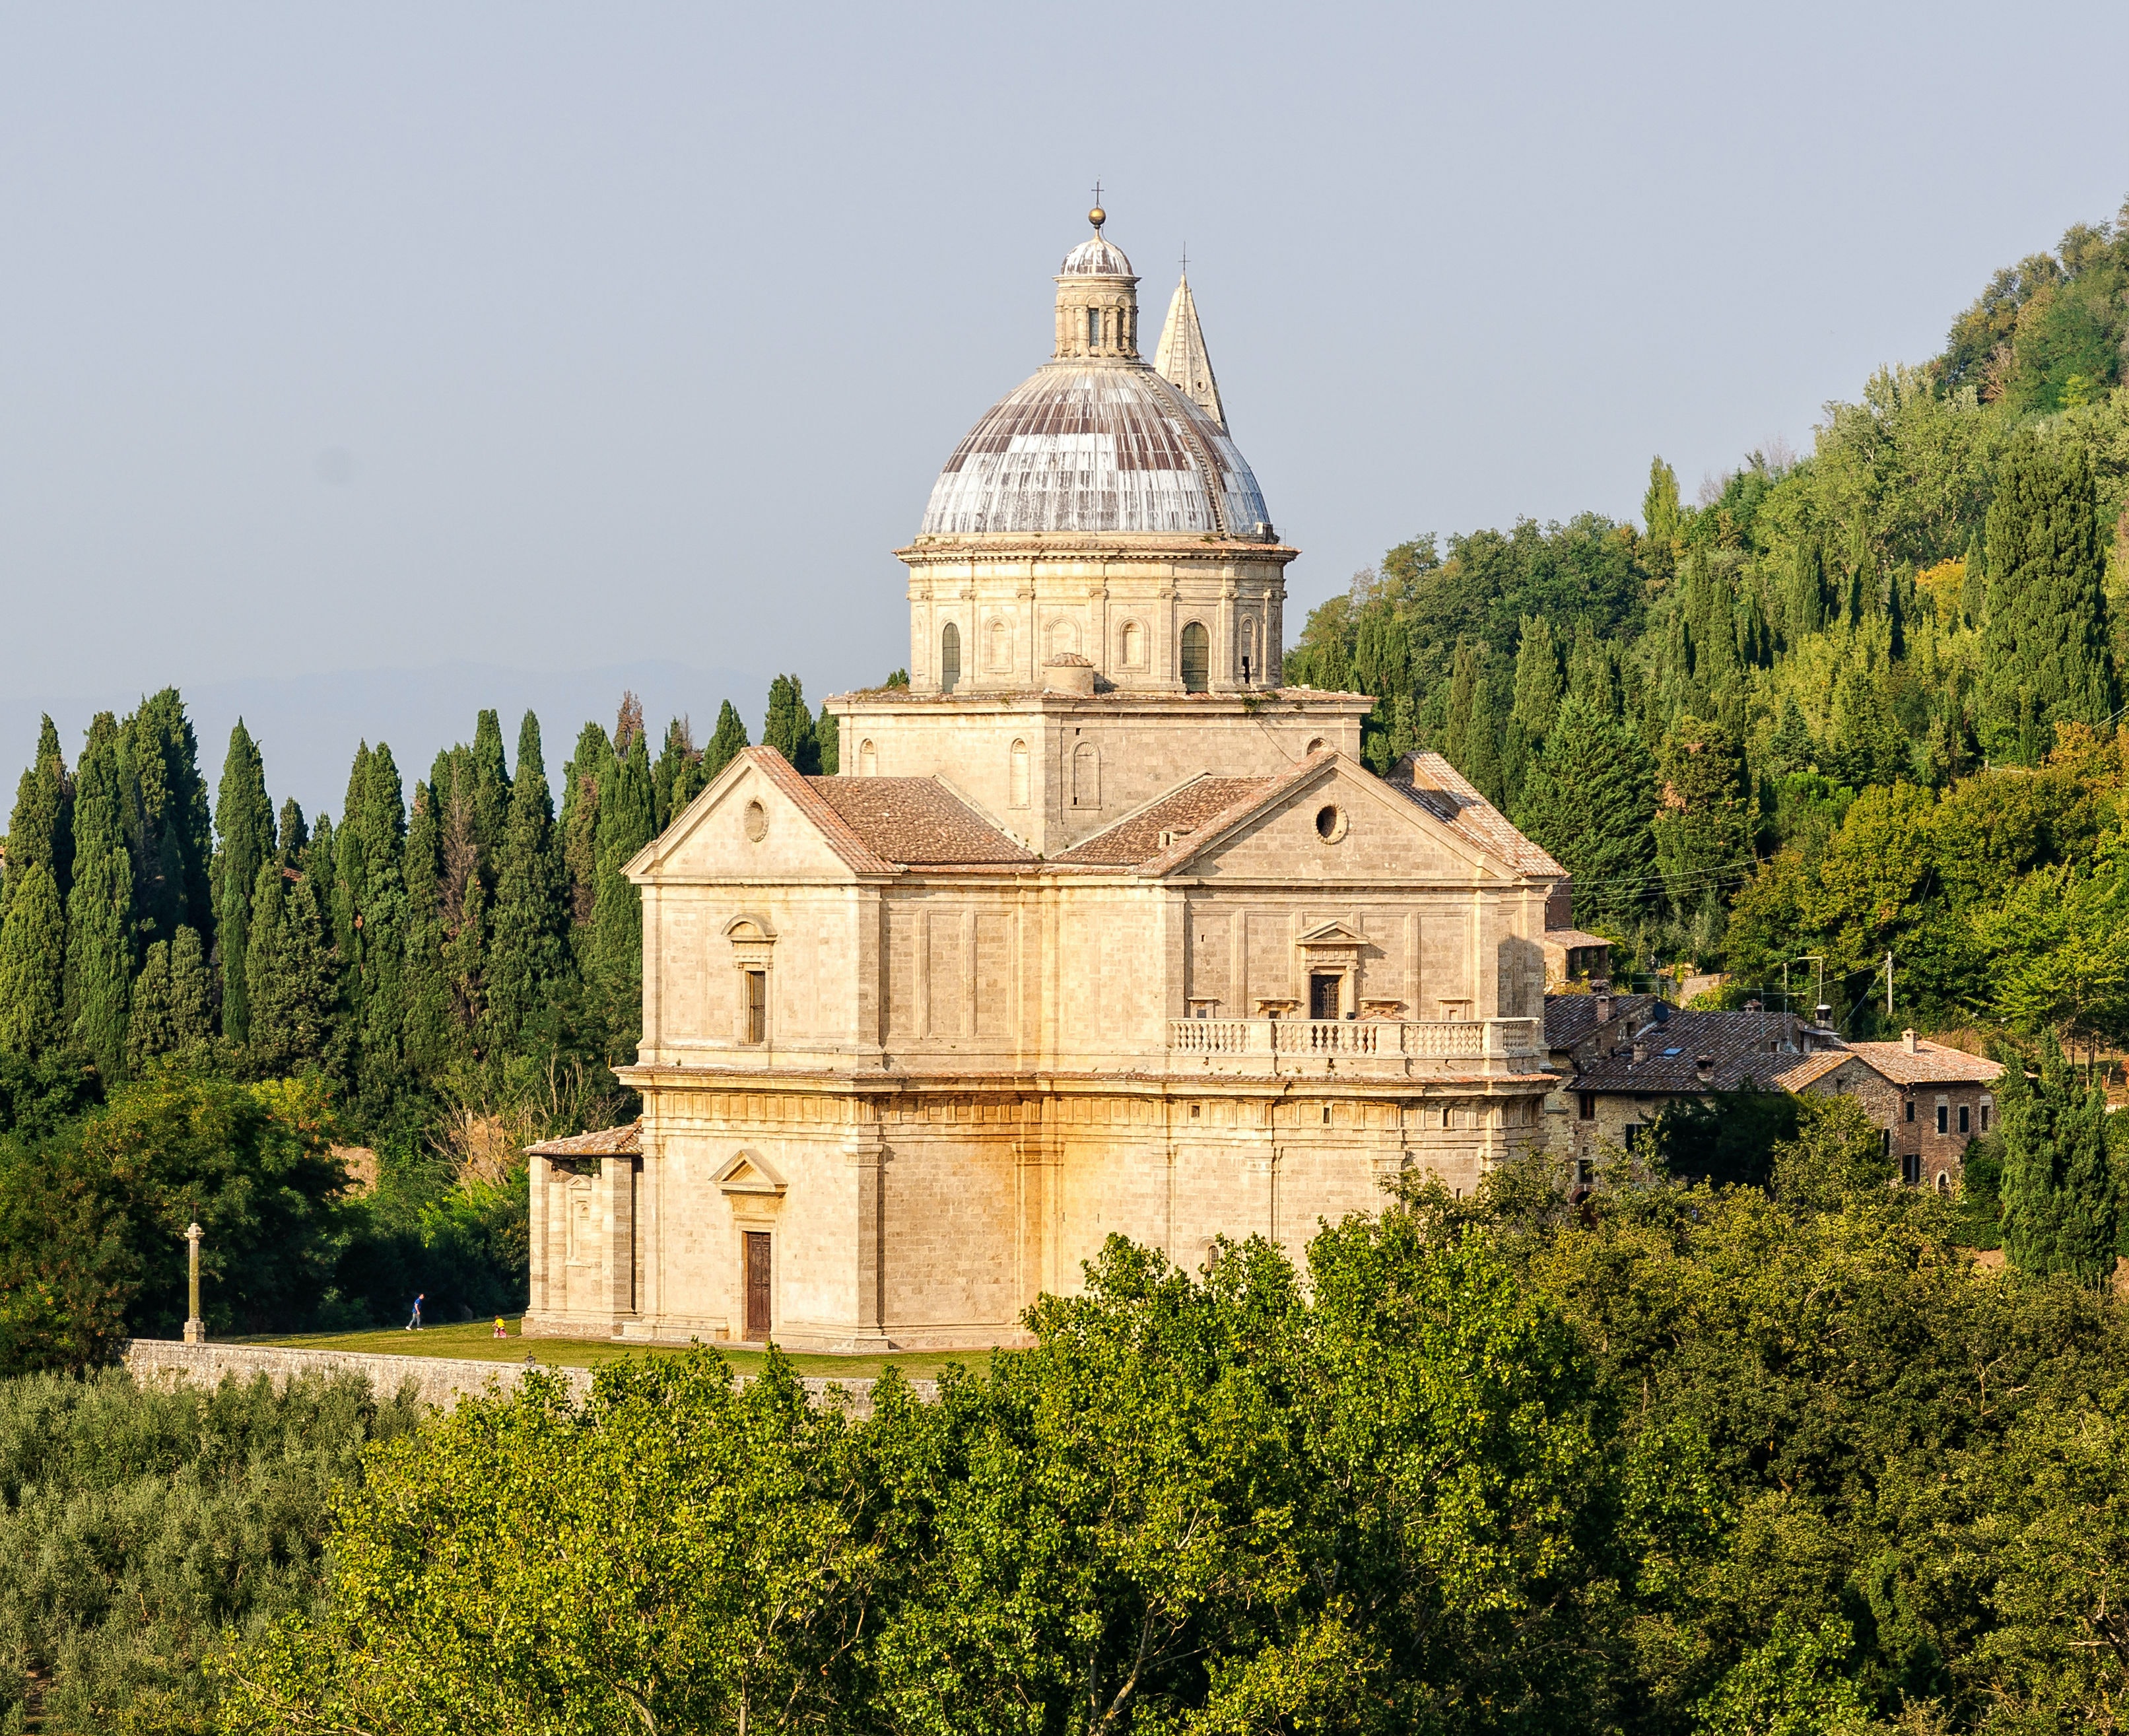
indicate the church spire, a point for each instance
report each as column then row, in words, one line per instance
column 1181, row 358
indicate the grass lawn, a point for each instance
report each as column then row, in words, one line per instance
column 476, row 1340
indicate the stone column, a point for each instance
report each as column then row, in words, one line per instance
column 617, row 1265
column 541, row 1174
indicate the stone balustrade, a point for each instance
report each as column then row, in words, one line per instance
column 1363, row 1047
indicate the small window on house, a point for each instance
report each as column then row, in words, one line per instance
column 950, row 658
column 1911, row 1169
column 1193, row 1111
column 1962, row 1118
column 1911, row 1109
column 1585, row 1106
column 1196, row 659
column 1985, row 1118
column 757, row 1005
column 1326, row 1114
column 1885, row 1141
column 867, row 760
column 1093, row 327
column 1633, row 1134
column 1943, row 1116
column 1448, row 1115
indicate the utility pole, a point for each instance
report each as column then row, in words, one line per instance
column 195, row 1327
column 1889, row 988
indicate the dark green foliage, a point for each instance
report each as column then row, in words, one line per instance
column 33, row 965
column 371, row 846
column 140, row 1526
column 615, row 967
column 168, row 825
column 1702, row 821
column 589, row 772
column 529, row 955
column 40, row 829
column 294, row 837
column 244, row 830
column 173, row 1010
column 430, row 1041
column 2060, row 1199
column 100, row 914
column 2048, row 333
column 1588, row 800
column 290, row 972
column 827, row 734
column 1539, row 684
column 1728, row 1139
column 726, row 744
column 490, row 791
column 676, row 777
column 2046, row 656
column 789, row 726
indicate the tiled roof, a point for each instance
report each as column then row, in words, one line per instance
column 1931, row 1063
column 1439, row 787
column 1736, row 1044
column 1137, row 837
column 917, row 821
column 856, row 853
column 1572, row 939
column 1811, row 1068
column 608, row 1142
column 1571, row 1020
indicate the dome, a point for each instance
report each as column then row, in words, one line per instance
column 1095, row 258
column 1109, row 447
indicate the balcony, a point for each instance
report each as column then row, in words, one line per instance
column 1365, row 1048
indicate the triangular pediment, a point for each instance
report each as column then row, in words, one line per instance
column 748, row 1172
column 757, row 820
column 1333, row 934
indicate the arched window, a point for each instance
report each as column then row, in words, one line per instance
column 950, row 658
column 1196, row 659
column 1252, row 664
column 1063, row 636
column 868, row 759
column 1018, row 797
column 1000, row 646
column 1130, row 645
column 1086, row 777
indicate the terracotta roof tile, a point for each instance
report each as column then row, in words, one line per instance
column 1181, row 812
column 1931, row 1063
column 916, row 822
column 608, row 1142
column 856, row 852
column 1810, row 1070
column 1439, row 787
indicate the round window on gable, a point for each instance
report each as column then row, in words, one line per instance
column 756, row 822
column 1330, row 823
column 1315, row 744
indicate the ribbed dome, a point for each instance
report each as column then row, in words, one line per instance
column 1105, row 447
column 1095, row 258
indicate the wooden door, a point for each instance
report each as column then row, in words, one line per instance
column 1323, row 997
column 757, row 1284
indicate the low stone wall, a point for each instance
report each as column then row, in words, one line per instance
column 438, row 1382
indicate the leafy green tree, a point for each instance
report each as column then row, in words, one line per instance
column 827, row 731
column 432, row 1043
column 40, row 829
column 1791, row 1686
column 294, row 836
column 33, row 965
column 790, row 727
column 290, row 972
column 1589, row 800
column 490, row 791
column 169, row 826
column 727, row 742
column 99, row 968
column 528, row 955
column 616, row 975
column 676, row 775
column 243, row 823
column 1661, row 515
column 589, row 776
column 2045, row 648
column 1539, row 686
column 2061, row 1203
column 1702, row 825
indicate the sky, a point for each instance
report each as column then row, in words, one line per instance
column 362, row 365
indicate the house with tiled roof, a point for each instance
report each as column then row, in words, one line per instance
column 1099, row 929
column 1932, row 1100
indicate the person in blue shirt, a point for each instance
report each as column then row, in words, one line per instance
column 415, row 1324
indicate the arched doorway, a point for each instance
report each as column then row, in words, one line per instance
column 1196, row 659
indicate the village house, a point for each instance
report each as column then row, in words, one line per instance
column 1930, row 1100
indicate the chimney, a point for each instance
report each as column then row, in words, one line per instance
column 1753, row 1006
column 1640, row 1052
column 1704, row 1068
column 1821, row 1015
column 1603, row 1009
column 1907, row 1041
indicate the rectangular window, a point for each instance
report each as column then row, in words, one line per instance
column 1943, row 1117
column 1585, row 1106
column 1911, row 1109
column 1985, row 1118
column 1093, row 327
column 1633, row 1134
column 1962, row 1118
column 757, row 1006
column 1911, row 1169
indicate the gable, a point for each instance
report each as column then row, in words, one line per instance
column 750, row 1172
column 1343, row 824
column 749, row 825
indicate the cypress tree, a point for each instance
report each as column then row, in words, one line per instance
column 41, row 830
column 1535, row 702
column 1463, row 681
column 1482, row 740
column 1791, row 749
column 192, row 991
column 375, row 830
column 1703, row 814
column 1870, row 746
column 529, row 954
column 290, row 976
column 99, row 961
column 33, row 965
column 676, row 778
column 2060, row 1203
column 828, row 735
column 1660, row 512
column 590, row 770
column 1592, row 674
column 430, row 1047
column 243, row 823
column 294, row 836
column 1588, row 800
column 152, row 1029
column 789, row 726
column 170, row 830
column 727, row 742
column 618, row 917
column 2044, row 656
column 491, row 792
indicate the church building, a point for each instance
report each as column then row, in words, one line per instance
column 1100, row 930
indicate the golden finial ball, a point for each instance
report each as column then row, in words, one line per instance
column 1098, row 216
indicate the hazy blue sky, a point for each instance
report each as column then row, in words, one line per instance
column 540, row 338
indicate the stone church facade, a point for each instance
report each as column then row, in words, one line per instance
column 1099, row 929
